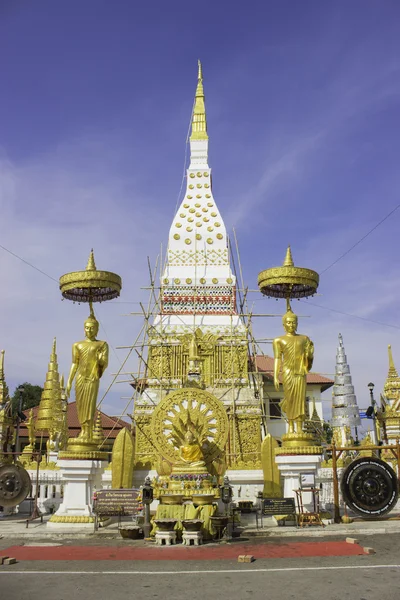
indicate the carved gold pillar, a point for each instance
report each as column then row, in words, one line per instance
column 144, row 452
column 246, row 444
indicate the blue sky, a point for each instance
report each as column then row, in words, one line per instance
column 303, row 114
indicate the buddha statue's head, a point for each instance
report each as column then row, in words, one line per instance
column 290, row 322
column 189, row 437
column 91, row 327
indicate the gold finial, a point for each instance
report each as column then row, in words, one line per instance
column 392, row 368
column 199, row 121
column 91, row 265
column 4, row 394
column 54, row 350
column 62, row 381
column 288, row 262
column 391, row 388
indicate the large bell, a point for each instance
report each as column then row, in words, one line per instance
column 15, row 485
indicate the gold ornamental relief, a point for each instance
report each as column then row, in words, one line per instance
column 189, row 409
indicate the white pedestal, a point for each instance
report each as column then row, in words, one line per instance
column 165, row 537
column 291, row 467
column 80, row 478
column 246, row 483
column 192, row 536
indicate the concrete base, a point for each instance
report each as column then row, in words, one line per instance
column 291, row 468
column 192, row 536
column 165, row 537
column 246, row 484
column 80, row 479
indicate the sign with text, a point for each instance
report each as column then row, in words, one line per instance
column 111, row 503
column 278, row 506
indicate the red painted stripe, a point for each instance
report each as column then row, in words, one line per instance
column 179, row 552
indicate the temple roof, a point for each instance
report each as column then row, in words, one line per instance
column 111, row 425
column 391, row 388
column 265, row 365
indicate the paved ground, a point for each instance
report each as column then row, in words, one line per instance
column 304, row 564
column 355, row 577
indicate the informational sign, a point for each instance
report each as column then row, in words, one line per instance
column 125, row 502
column 278, row 506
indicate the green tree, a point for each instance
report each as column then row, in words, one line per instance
column 328, row 432
column 31, row 395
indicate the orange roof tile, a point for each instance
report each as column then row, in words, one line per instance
column 111, row 425
column 265, row 365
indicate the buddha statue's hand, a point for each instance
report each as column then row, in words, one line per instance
column 276, row 383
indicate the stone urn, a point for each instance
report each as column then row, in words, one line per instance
column 192, row 524
column 203, row 499
column 165, row 524
column 219, row 523
column 171, row 499
column 131, row 533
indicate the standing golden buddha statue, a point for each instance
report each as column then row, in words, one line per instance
column 30, row 425
column 294, row 353
column 89, row 356
column 89, row 361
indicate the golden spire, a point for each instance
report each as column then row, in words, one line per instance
column 392, row 368
column 4, row 394
column 391, row 388
column 288, row 262
column 98, row 434
column 50, row 403
column 91, row 265
column 199, row 121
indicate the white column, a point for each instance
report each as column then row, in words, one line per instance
column 291, row 467
column 79, row 478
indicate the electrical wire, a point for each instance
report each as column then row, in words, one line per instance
column 340, row 312
column 360, row 240
column 28, row 263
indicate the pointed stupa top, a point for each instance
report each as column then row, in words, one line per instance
column 4, row 394
column 345, row 412
column 91, row 265
column 199, row 120
column 391, row 388
column 288, row 262
column 50, row 402
column 198, row 258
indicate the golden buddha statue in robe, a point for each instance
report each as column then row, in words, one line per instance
column 89, row 361
column 30, row 425
column 293, row 353
column 191, row 457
